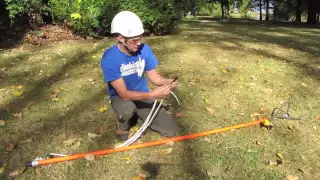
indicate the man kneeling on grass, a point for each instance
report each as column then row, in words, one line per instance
column 124, row 66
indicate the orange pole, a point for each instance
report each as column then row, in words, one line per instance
column 142, row 145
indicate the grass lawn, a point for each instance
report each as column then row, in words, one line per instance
column 50, row 99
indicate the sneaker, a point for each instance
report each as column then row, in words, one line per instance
column 122, row 135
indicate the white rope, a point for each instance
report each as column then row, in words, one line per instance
column 133, row 138
column 175, row 97
column 146, row 124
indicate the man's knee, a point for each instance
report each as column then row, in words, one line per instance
column 170, row 130
column 125, row 115
column 124, row 109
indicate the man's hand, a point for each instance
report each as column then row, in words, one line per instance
column 162, row 91
column 173, row 83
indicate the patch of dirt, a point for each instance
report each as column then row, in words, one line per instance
column 48, row 34
column 42, row 35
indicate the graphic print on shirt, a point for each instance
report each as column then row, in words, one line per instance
column 132, row 68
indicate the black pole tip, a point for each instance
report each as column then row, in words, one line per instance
column 29, row 164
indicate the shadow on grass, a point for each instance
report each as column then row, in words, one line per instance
column 49, row 125
column 249, row 22
column 310, row 45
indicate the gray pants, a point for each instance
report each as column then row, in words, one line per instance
column 129, row 111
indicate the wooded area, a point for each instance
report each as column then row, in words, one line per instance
column 92, row 18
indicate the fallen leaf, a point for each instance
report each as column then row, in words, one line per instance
column 267, row 91
column 3, row 69
column 127, row 158
column 2, row 167
column 2, row 122
column 76, row 145
column 137, row 177
column 92, row 135
column 290, row 127
column 291, row 177
column 134, row 129
column 241, row 114
column 264, row 109
column 170, row 143
column 29, row 140
column 306, row 170
column 53, row 95
column 272, row 163
column 55, row 99
column 144, row 173
column 103, row 108
column 304, row 84
column 10, row 147
column 10, row 106
column 254, row 115
column 280, row 159
column 207, row 140
column 210, row 110
column 216, row 171
column 17, row 115
column 104, row 129
column 20, row 87
column 18, row 171
column 224, row 71
column 207, row 101
column 89, row 157
column 254, row 77
column 178, row 115
column 259, row 143
column 69, row 142
column 318, row 117
column 18, row 93
column 166, row 151
column 56, row 91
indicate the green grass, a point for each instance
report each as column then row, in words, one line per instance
column 234, row 67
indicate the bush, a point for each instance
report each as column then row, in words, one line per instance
column 93, row 17
column 210, row 9
column 158, row 16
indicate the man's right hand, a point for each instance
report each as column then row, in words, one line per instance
column 161, row 92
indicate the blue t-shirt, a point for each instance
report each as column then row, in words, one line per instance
column 116, row 64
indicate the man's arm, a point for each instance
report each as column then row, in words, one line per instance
column 156, row 79
column 121, row 88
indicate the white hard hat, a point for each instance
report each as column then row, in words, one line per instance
column 127, row 24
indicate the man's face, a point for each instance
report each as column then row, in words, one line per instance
column 133, row 44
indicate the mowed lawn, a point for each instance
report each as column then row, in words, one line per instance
column 53, row 100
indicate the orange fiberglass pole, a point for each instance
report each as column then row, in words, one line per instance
column 141, row 145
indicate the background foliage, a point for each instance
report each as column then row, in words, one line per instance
column 93, row 17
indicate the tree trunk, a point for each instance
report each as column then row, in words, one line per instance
column 318, row 17
column 260, row 6
column 275, row 10
column 46, row 15
column 267, row 10
column 298, row 11
column 222, row 9
column 312, row 12
column 227, row 7
column 4, row 14
column 287, row 13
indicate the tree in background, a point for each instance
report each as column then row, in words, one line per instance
column 313, row 9
column 93, row 18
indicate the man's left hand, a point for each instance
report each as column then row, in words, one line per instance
column 174, row 84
